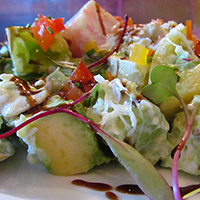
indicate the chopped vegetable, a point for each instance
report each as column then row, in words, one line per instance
column 197, row 48
column 70, row 91
column 44, row 30
column 90, row 45
column 139, row 54
column 81, row 74
column 189, row 29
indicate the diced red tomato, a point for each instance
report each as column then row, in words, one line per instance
column 59, row 24
column 194, row 38
column 70, row 92
column 88, row 86
column 197, row 48
column 44, row 29
column 81, row 74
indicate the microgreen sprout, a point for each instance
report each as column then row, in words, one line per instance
column 163, row 85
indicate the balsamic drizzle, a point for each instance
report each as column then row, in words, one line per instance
column 124, row 188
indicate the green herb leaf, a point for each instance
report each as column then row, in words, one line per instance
column 163, row 84
column 28, row 25
column 142, row 171
column 49, row 29
column 49, row 17
column 92, row 98
column 77, row 84
column 91, row 51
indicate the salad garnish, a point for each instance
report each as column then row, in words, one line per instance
column 44, row 30
column 164, row 85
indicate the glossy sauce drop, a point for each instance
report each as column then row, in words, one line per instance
column 111, row 196
column 25, row 89
column 187, row 189
column 134, row 189
column 92, row 185
column 129, row 189
column 125, row 188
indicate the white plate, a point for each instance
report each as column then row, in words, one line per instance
column 20, row 180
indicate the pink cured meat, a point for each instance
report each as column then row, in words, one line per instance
column 91, row 22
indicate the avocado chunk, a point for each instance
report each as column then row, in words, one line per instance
column 64, row 144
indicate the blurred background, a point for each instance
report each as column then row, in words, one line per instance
column 22, row 12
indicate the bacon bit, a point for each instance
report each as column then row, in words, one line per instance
column 88, row 86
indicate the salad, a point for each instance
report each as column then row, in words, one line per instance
column 83, row 93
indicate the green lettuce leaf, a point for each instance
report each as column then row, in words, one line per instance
column 124, row 114
column 27, row 55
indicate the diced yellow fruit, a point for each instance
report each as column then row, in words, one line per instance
column 90, row 45
column 170, row 107
column 187, row 87
column 138, row 54
column 189, row 84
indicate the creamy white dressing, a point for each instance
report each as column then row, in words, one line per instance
column 112, row 106
column 12, row 103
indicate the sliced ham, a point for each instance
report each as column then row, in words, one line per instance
column 90, row 23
